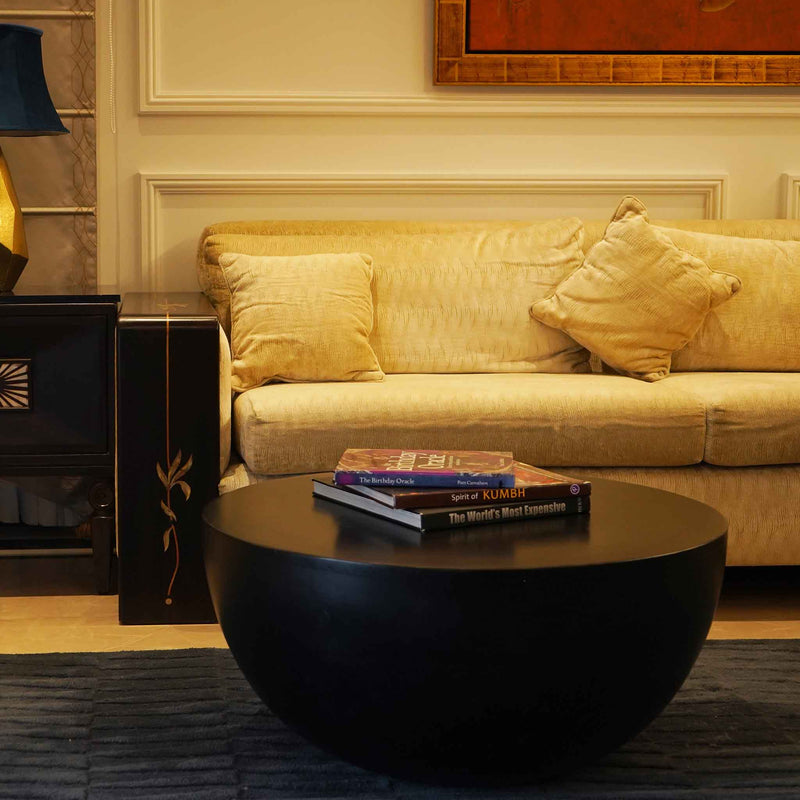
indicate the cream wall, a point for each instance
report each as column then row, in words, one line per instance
column 263, row 108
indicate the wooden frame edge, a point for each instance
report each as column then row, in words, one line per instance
column 453, row 66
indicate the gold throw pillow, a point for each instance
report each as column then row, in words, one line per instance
column 637, row 297
column 300, row 318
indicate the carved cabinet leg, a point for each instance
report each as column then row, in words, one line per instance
column 101, row 498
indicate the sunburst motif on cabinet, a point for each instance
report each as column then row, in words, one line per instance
column 15, row 384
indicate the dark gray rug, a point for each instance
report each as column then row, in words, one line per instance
column 185, row 724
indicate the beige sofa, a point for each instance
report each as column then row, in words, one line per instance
column 729, row 436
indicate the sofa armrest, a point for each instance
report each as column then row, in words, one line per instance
column 168, row 453
column 225, row 402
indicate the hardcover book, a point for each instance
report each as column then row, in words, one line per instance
column 443, row 468
column 530, row 483
column 432, row 519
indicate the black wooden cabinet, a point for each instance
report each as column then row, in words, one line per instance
column 57, row 388
column 168, row 454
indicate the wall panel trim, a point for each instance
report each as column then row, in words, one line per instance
column 68, row 14
column 63, row 211
column 156, row 97
column 712, row 189
column 791, row 195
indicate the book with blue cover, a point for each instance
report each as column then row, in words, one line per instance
column 431, row 468
column 530, row 483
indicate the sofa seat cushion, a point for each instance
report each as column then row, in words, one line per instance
column 753, row 418
column 548, row 419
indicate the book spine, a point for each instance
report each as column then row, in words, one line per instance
column 417, row 479
column 499, row 496
column 457, row 518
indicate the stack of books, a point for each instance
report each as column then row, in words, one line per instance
column 438, row 489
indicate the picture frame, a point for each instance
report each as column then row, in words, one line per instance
column 533, row 42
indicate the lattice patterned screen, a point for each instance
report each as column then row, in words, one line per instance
column 55, row 176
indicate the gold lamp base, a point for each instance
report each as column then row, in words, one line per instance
column 13, row 246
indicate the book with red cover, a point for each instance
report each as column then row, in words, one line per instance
column 458, row 469
column 530, row 483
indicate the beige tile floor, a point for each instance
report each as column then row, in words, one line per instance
column 759, row 604
column 49, row 607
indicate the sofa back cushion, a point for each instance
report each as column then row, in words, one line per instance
column 759, row 328
column 448, row 297
column 781, row 230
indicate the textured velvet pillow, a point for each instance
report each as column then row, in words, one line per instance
column 300, row 318
column 637, row 297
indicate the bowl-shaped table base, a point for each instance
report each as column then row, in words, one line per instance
column 469, row 674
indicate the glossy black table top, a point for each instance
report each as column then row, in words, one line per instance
column 626, row 523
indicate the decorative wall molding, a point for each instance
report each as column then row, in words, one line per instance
column 791, row 195
column 156, row 97
column 76, row 112
column 40, row 211
column 161, row 101
column 711, row 189
column 23, row 13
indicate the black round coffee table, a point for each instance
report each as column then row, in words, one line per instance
column 493, row 653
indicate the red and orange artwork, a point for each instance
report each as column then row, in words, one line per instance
column 622, row 26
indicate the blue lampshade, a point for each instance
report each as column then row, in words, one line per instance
column 25, row 105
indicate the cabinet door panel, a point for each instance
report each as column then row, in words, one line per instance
column 58, row 401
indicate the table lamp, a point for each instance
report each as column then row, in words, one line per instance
column 25, row 110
